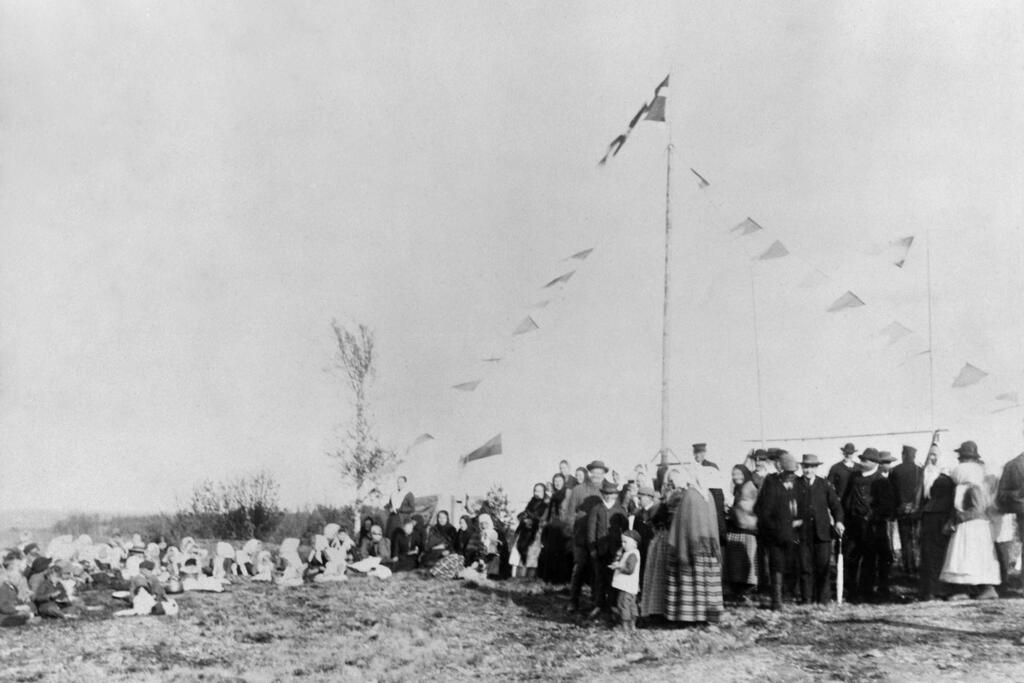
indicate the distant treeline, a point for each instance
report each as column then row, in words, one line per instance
column 239, row 509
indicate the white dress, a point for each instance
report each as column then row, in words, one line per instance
column 971, row 555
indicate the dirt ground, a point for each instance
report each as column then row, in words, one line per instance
column 410, row 628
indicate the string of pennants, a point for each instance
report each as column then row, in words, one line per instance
column 897, row 253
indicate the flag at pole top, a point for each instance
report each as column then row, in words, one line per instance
column 648, row 111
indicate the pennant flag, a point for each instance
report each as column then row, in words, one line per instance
column 916, row 355
column 492, row 359
column 581, row 255
column 969, row 375
column 895, row 331
column 701, row 180
column 421, row 439
column 848, row 300
column 1004, row 409
column 655, row 111
column 492, row 447
column 747, row 227
column 1008, row 396
column 541, row 304
column 468, row 386
column 813, row 279
column 561, row 279
column 900, row 249
column 526, row 326
column 777, row 250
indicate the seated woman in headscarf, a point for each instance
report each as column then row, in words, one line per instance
column 693, row 585
column 49, row 595
column 317, row 559
column 490, row 546
column 526, row 547
column 463, row 536
column 440, row 541
column 15, row 610
column 403, row 548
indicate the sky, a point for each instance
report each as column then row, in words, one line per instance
column 190, row 193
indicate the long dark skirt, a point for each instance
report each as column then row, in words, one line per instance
column 694, row 594
column 653, row 599
column 933, row 549
column 555, row 562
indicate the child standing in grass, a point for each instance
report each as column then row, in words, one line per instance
column 626, row 580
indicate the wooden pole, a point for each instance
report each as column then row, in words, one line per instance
column 666, row 348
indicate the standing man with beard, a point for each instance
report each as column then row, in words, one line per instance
column 818, row 507
column 576, row 507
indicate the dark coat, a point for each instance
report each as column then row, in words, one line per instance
column 839, row 477
column 907, row 480
column 870, row 497
column 605, row 527
column 774, row 513
column 577, row 506
column 1010, row 494
column 815, row 501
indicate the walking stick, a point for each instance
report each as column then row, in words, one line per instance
column 839, row 573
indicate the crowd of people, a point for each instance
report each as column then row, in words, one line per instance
column 671, row 545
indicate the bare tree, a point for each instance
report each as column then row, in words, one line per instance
column 361, row 458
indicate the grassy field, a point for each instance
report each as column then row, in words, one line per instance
column 410, row 628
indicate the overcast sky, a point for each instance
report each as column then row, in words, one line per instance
column 190, row 192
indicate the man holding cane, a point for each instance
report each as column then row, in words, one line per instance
column 817, row 500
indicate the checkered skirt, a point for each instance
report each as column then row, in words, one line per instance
column 693, row 593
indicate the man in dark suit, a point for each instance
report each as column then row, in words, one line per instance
column 907, row 481
column 816, row 500
column 606, row 523
column 778, row 521
column 868, row 506
column 840, row 473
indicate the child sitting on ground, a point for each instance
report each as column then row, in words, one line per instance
column 626, row 580
column 14, row 610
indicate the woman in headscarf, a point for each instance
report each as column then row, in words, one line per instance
column 741, row 536
column 653, row 597
column 489, row 541
column 693, row 585
column 526, row 546
column 440, row 540
column 971, row 556
column 555, row 562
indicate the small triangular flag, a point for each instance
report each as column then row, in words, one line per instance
column 777, row 250
column 421, row 439
column 468, row 386
column 581, row 255
column 895, row 331
column 848, row 300
column 541, row 304
column 492, row 447
column 701, row 180
column 561, row 279
column 900, row 249
column 492, row 359
column 1008, row 396
column 747, row 227
column 526, row 326
column 969, row 375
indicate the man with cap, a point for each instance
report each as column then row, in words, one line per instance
column 606, row 522
column 885, row 461
column 840, row 473
column 820, row 509
column 907, row 481
column 577, row 506
column 779, row 522
column 868, row 506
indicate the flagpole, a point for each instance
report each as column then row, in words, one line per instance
column 931, row 347
column 757, row 354
column 665, row 346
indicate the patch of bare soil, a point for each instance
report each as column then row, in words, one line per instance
column 411, row 628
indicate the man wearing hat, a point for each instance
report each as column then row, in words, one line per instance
column 868, row 506
column 840, row 473
column 820, row 509
column 760, row 459
column 577, row 506
column 778, row 520
column 907, row 481
column 606, row 522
